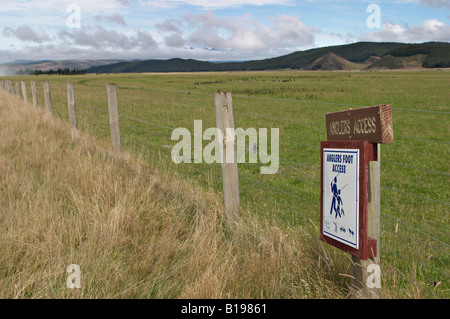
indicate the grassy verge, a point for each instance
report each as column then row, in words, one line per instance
column 134, row 231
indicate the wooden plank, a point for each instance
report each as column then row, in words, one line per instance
column 48, row 98
column 230, row 178
column 360, row 268
column 71, row 104
column 34, row 93
column 24, row 92
column 373, row 124
column 374, row 204
column 113, row 108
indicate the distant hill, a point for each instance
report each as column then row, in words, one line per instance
column 437, row 54
column 391, row 62
column 355, row 56
column 172, row 65
column 331, row 62
column 48, row 65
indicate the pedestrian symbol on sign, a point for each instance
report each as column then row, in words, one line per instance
column 336, row 201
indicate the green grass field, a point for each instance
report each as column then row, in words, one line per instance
column 414, row 169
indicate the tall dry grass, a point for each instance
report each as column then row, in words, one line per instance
column 135, row 232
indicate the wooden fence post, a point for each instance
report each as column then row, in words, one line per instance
column 17, row 89
column 362, row 278
column 48, row 98
column 113, row 108
column 71, row 105
column 34, row 93
column 230, row 178
column 11, row 87
column 24, row 92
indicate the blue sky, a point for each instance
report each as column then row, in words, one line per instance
column 208, row 30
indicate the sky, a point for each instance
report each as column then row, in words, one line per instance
column 218, row 30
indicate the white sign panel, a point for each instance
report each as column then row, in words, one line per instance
column 341, row 195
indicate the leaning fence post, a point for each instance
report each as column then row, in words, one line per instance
column 71, row 105
column 113, row 108
column 34, row 93
column 230, row 178
column 24, row 92
column 48, row 98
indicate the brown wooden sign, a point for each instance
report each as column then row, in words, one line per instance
column 373, row 124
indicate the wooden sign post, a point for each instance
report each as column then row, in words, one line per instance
column 350, row 189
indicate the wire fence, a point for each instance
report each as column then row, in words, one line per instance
column 414, row 192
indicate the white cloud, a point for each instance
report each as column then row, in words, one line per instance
column 35, row 7
column 199, row 36
column 124, row 2
column 114, row 18
column 25, row 33
column 237, row 33
column 438, row 4
column 102, row 39
column 217, row 4
column 435, row 3
column 430, row 30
